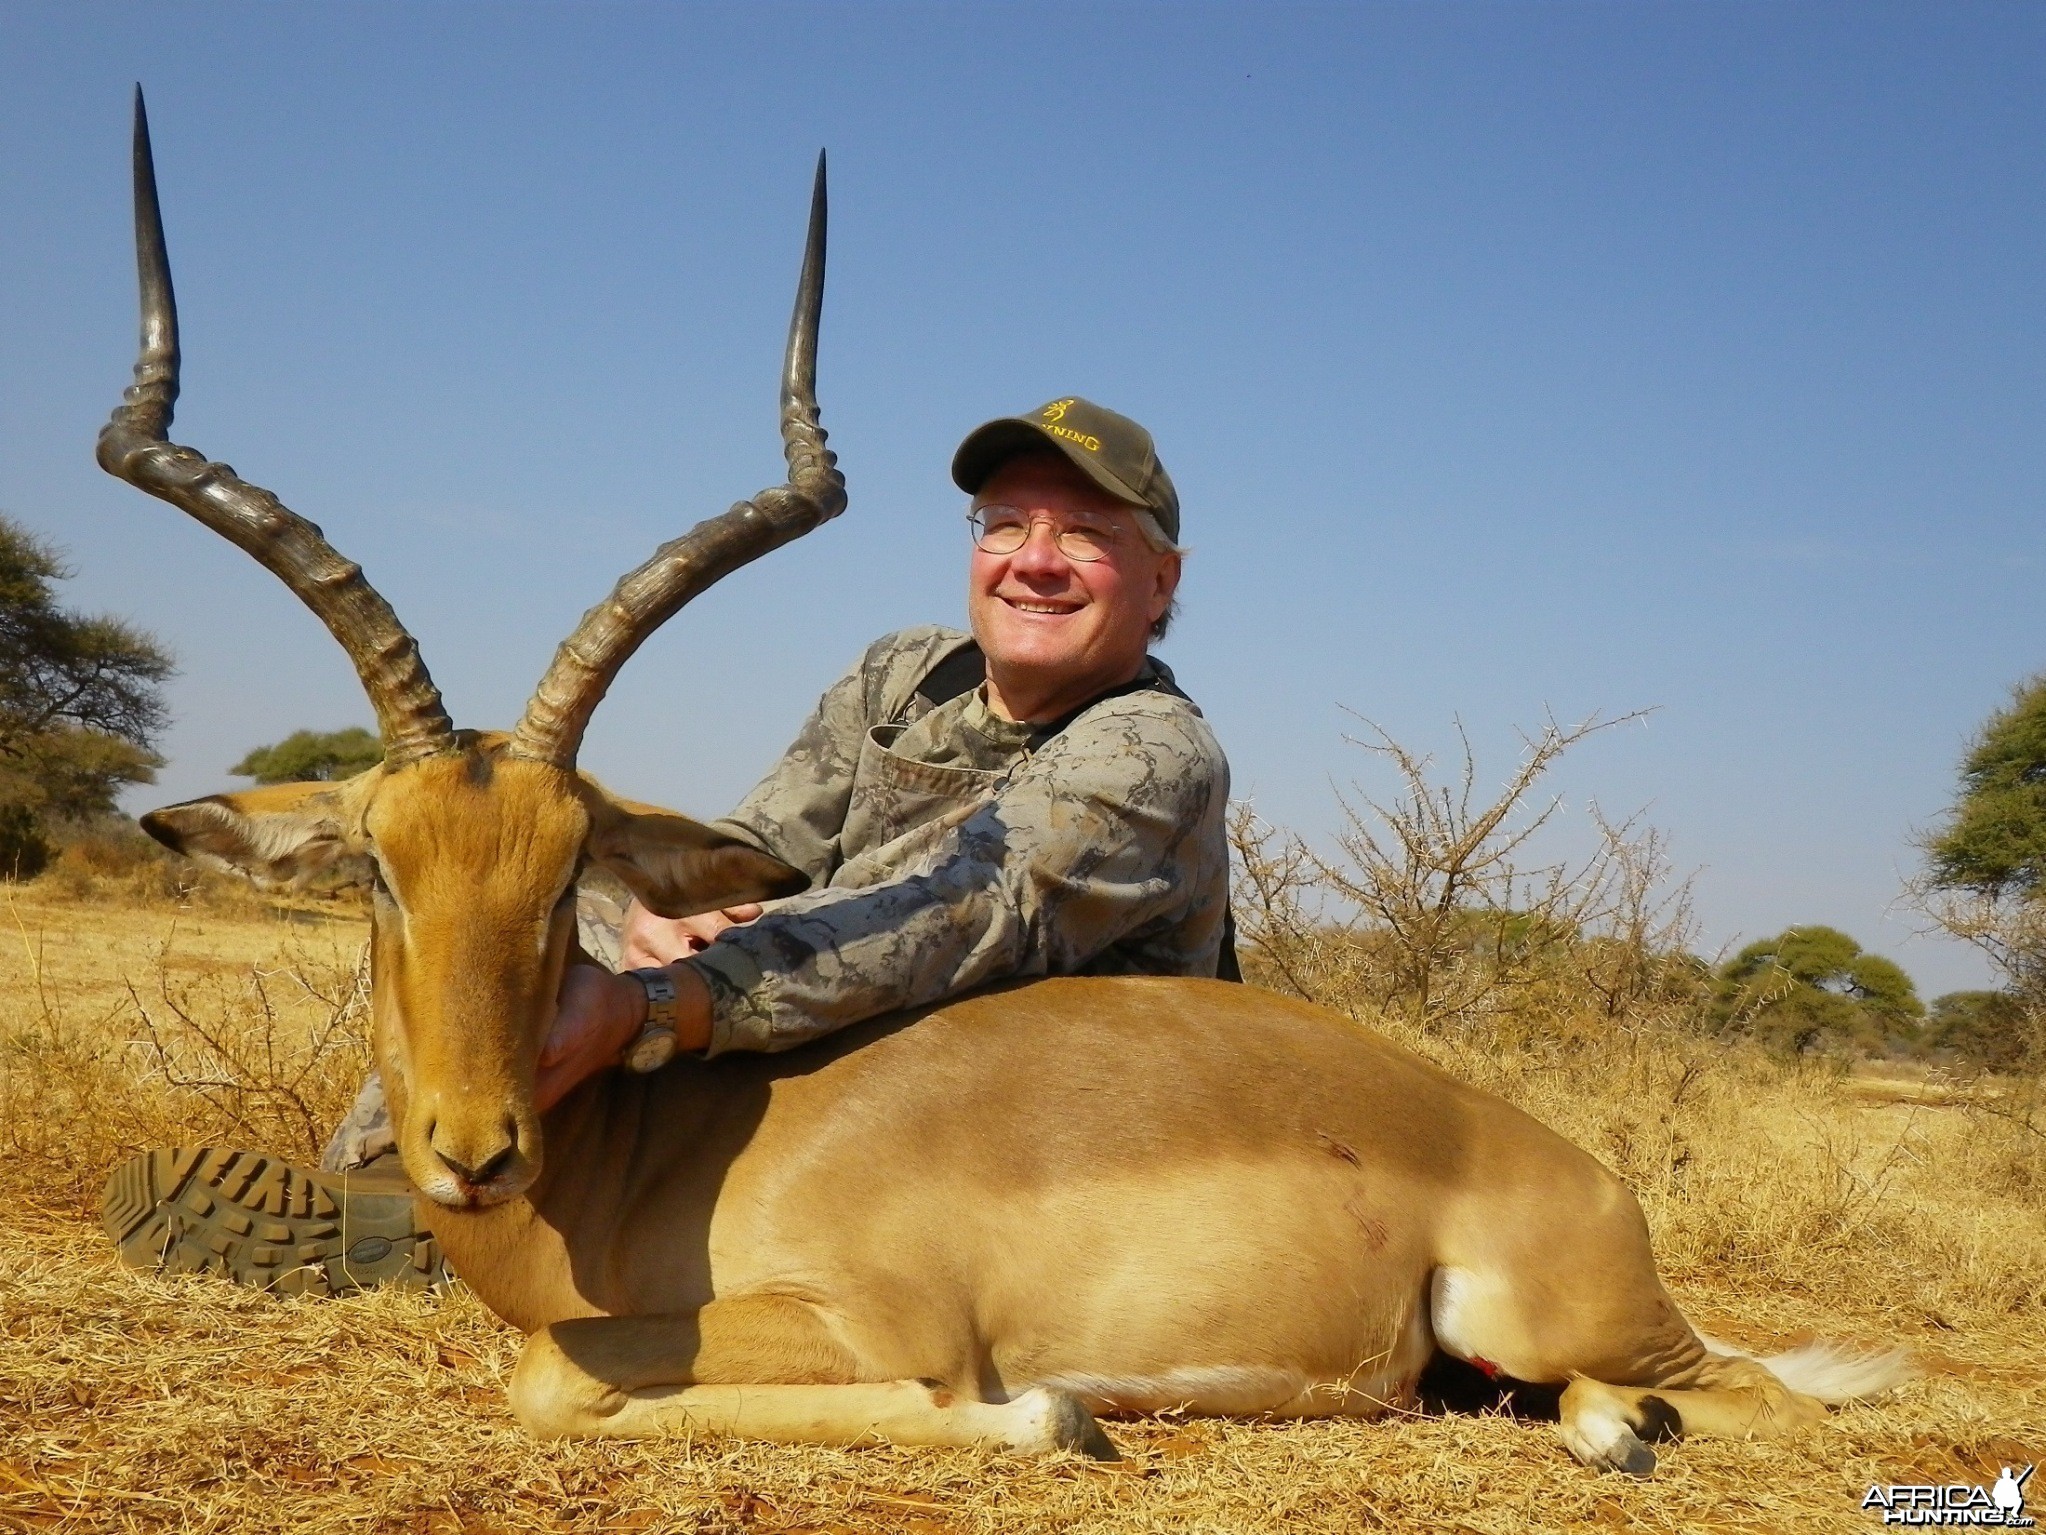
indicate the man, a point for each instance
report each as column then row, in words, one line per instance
column 1037, row 798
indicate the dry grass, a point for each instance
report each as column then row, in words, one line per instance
column 128, row 1025
column 1786, row 1200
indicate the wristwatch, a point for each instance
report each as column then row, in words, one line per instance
column 658, row 1040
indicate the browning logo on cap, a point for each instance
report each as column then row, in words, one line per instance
column 1112, row 450
column 1055, row 412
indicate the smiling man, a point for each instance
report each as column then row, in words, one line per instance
column 1034, row 798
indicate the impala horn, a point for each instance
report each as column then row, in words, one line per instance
column 134, row 446
column 583, row 668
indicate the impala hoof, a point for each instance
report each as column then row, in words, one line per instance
column 1600, row 1435
column 1058, row 1420
column 1607, row 1442
column 1635, row 1458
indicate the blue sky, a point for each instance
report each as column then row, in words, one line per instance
column 1509, row 358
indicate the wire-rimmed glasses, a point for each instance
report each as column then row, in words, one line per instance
column 1001, row 530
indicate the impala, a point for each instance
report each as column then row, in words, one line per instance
column 981, row 1223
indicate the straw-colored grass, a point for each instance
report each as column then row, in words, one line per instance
column 1786, row 1200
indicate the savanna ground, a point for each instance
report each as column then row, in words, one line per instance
column 1787, row 1199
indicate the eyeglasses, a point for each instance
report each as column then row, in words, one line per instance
column 1006, row 529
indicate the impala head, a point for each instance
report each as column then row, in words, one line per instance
column 471, row 842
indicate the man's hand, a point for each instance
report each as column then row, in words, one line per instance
column 652, row 940
column 598, row 1014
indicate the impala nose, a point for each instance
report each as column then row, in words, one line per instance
column 478, row 1166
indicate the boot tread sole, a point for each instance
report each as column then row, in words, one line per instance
column 262, row 1222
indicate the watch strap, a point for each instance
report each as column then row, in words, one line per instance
column 660, row 994
column 658, row 1038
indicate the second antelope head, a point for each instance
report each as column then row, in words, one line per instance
column 471, row 841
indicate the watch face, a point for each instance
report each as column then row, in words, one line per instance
column 652, row 1050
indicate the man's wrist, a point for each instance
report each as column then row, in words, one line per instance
column 669, row 1012
column 692, row 1006
column 740, row 1016
column 656, row 1042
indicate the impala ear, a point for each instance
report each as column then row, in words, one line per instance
column 280, row 837
column 678, row 867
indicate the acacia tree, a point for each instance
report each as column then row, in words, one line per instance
column 81, row 703
column 313, row 755
column 1814, row 986
column 1994, row 840
column 1984, row 1027
column 1985, row 866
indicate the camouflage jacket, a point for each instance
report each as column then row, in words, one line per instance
column 948, row 848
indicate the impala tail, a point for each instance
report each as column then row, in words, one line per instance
column 1834, row 1373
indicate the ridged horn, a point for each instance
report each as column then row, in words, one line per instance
column 586, row 662
column 134, row 446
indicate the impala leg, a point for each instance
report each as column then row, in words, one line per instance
column 1609, row 1426
column 1591, row 1313
column 762, row 1367
column 1636, row 1371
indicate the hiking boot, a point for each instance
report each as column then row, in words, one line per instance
column 259, row 1221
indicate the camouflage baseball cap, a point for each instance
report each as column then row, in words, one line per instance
column 1111, row 450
